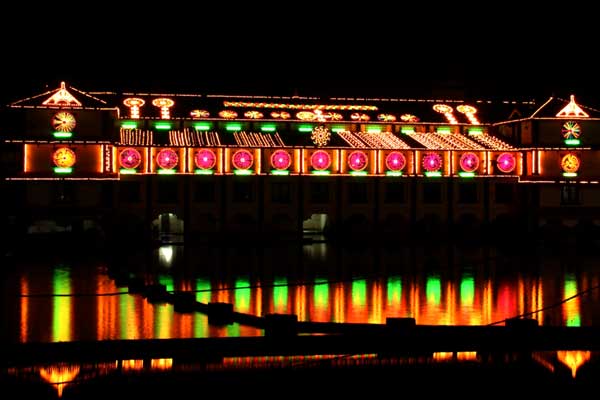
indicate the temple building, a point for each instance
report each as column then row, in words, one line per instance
column 175, row 166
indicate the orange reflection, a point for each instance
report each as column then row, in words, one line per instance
column 132, row 365
column 573, row 359
column 161, row 363
column 59, row 376
column 24, row 308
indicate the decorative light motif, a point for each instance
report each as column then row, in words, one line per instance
column 359, row 117
column 306, row 115
column 395, row 161
column 167, row 159
column 320, row 135
column 358, row 160
column 228, row 114
column 64, row 157
column 205, row 159
column 469, row 162
column 164, row 104
column 386, row 117
column 63, row 122
column 280, row 115
column 447, row 111
column 130, row 158
column 571, row 130
column 281, row 159
column 572, row 110
column 570, row 163
column 199, row 114
column 409, row 118
column 469, row 112
column 320, row 160
column 62, row 98
column 506, row 162
column 242, row 159
column 134, row 104
column 340, row 107
column 432, row 162
column 253, row 114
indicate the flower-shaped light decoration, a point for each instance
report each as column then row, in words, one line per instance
column 469, row 162
column 64, row 157
column 395, row 161
column 205, row 159
column 506, row 162
column 242, row 159
column 358, row 160
column 432, row 162
column 571, row 130
column 167, row 159
column 320, row 160
column 281, row 160
column 570, row 163
column 130, row 158
column 320, row 136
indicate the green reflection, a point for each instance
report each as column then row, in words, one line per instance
column 321, row 293
column 572, row 309
column 203, row 295
column 467, row 290
column 394, row 290
column 61, row 305
column 433, row 290
column 233, row 330
column 359, row 292
column 242, row 295
column 163, row 317
column 126, row 317
column 166, row 280
column 280, row 293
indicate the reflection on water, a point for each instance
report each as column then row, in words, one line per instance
column 62, row 376
column 64, row 302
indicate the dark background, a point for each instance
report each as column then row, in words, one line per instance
column 357, row 50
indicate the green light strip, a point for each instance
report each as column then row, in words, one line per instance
column 373, row 130
column 233, row 127
column 464, row 174
column 127, row 171
column 443, row 130
column 204, row 172
column 268, row 128
column 60, row 170
column 243, row 172
column 62, row 135
column 569, row 174
column 358, row 173
column 129, row 125
column 433, row 174
column 475, row 131
column 201, row 127
column 279, row 172
column 572, row 142
column 305, row 128
column 407, row 129
column 320, row 172
column 162, row 126
column 166, row 171
column 393, row 173
column 337, row 129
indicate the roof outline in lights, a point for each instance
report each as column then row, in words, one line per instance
column 62, row 98
column 572, row 110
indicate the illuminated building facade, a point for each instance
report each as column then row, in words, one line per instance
column 211, row 165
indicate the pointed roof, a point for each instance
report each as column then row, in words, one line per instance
column 63, row 98
column 556, row 107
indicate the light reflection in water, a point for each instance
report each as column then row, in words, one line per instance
column 59, row 376
column 61, row 310
column 571, row 308
column 573, row 359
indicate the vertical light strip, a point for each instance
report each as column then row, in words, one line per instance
column 190, row 160
column 258, row 158
column 61, row 308
column 302, row 163
column 380, row 158
column 336, row 161
column 297, row 161
column 447, row 167
column 24, row 308
column 452, row 162
column 342, row 162
column 102, row 151
column 416, row 167
column 220, row 160
column 148, row 160
column 533, row 161
column 520, row 160
column 226, row 161
column 488, row 163
column 26, row 158
column 113, row 159
column 539, row 161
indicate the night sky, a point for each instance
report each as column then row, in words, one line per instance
column 306, row 55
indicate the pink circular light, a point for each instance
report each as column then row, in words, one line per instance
column 506, row 162
column 130, row 158
column 357, row 160
column 432, row 162
column 205, row 159
column 281, row 160
column 167, row 159
column 469, row 162
column 320, row 160
column 242, row 159
column 395, row 161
